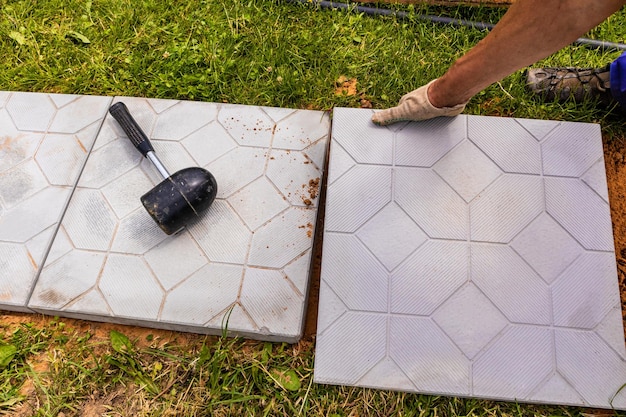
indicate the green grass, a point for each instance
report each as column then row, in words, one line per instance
column 68, row 371
column 248, row 52
column 256, row 52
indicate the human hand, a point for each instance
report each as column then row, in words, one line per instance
column 414, row 106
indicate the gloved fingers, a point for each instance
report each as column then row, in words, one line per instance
column 388, row 116
column 415, row 106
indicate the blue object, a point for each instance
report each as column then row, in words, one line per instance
column 618, row 79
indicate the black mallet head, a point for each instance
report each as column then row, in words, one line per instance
column 181, row 197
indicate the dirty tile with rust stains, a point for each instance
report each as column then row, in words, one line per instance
column 44, row 142
column 244, row 265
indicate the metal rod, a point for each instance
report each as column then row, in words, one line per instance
column 375, row 11
column 158, row 165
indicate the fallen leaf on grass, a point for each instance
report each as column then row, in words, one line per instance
column 345, row 86
column 287, row 379
column 18, row 37
column 77, row 37
column 7, row 353
column 120, row 342
column 366, row 104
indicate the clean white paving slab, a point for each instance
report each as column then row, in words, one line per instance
column 244, row 264
column 470, row 256
column 44, row 142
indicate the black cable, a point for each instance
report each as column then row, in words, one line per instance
column 375, row 11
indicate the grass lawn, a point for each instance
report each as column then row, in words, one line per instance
column 257, row 52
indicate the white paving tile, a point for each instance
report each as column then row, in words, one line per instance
column 515, row 151
column 44, row 142
column 245, row 262
column 478, row 261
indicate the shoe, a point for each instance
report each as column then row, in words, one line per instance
column 569, row 83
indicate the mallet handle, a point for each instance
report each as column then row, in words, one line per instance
column 120, row 112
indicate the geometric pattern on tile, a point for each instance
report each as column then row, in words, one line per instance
column 547, row 247
column 596, row 179
column 342, row 161
column 515, row 363
column 282, row 239
column 269, row 297
column 295, row 185
column 467, row 170
column 247, row 162
column 247, row 126
column 507, row 143
column 370, row 343
column 605, row 330
column 428, row 277
column 556, row 387
column 297, row 272
column 244, row 263
column 269, row 203
column 386, row 375
column 357, row 280
column 14, row 262
column 301, row 131
column 205, row 151
column 92, row 300
column 580, row 301
column 506, row 207
column 351, row 132
column 90, row 223
column 370, row 185
column 129, row 287
column 444, row 370
column 421, row 194
column 423, row 144
column 189, row 258
column 570, row 149
column 44, row 142
column 538, row 128
column 169, row 125
column 22, row 182
column 391, row 236
column 203, row 295
column 334, row 307
column 513, row 286
column 484, row 253
column 55, row 157
column 470, row 319
column 78, row 270
column 581, row 211
column 608, row 366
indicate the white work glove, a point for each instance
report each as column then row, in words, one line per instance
column 415, row 106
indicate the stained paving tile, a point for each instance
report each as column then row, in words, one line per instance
column 470, row 257
column 244, row 264
column 44, row 142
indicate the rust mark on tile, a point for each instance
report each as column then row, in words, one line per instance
column 32, row 260
column 6, row 142
column 81, row 145
column 9, row 146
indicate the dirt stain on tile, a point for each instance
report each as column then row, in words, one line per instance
column 11, row 150
column 52, row 297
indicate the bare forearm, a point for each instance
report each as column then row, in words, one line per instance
column 529, row 31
